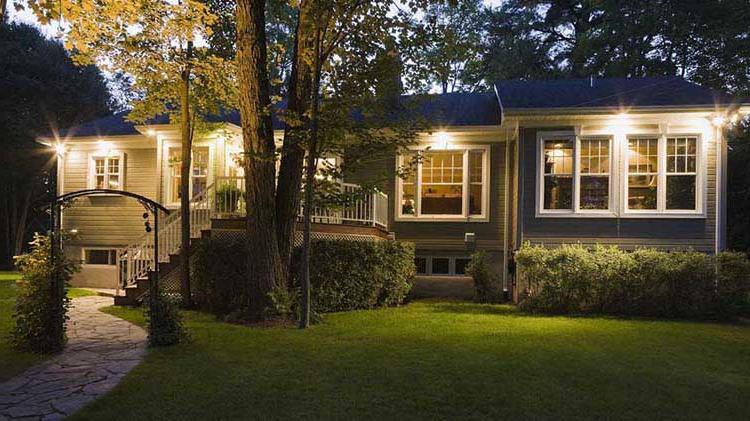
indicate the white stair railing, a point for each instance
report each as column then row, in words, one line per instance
column 136, row 260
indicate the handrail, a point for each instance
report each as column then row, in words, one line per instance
column 135, row 260
column 371, row 209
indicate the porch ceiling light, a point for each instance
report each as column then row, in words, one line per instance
column 151, row 132
column 103, row 147
column 718, row 120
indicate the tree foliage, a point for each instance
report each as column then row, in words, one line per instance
column 42, row 90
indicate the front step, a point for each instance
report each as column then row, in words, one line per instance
column 134, row 294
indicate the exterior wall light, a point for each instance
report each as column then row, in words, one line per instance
column 442, row 140
column 718, row 121
column 59, row 149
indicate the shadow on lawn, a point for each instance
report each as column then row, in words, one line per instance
column 467, row 307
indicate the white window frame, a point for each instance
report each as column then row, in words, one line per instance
column 91, row 182
column 618, row 180
column 108, row 249
column 451, row 265
column 464, row 217
column 661, row 199
column 168, row 174
column 575, row 210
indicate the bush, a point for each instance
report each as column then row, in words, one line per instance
column 645, row 282
column 220, row 276
column 486, row 282
column 42, row 305
column 344, row 275
column 350, row 275
column 165, row 326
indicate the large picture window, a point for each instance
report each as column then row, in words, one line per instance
column 445, row 184
column 199, row 170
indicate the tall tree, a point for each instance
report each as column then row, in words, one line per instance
column 264, row 263
column 453, row 35
column 42, row 89
column 154, row 42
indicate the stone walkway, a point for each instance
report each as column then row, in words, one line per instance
column 101, row 349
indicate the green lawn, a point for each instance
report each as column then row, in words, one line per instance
column 441, row 360
column 13, row 362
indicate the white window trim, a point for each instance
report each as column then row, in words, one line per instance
column 91, row 179
column 464, row 217
column 168, row 175
column 575, row 211
column 83, row 257
column 661, row 200
column 619, row 177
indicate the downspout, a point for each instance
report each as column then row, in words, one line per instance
column 719, row 210
column 506, row 193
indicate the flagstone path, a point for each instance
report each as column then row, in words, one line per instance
column 101, row 349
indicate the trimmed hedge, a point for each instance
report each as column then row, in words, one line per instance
column 350, row 275
column 645, row 282
column 345, row 275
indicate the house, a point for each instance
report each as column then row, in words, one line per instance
column 631, row 162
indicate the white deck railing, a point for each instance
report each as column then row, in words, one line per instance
column 371, row 209
column 225, row 199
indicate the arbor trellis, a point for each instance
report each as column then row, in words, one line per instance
column 149, row 205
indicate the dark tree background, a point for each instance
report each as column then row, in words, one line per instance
column 40, row 90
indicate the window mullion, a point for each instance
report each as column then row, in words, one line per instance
column 661, row 188
column 465, row 188
column 418, row 187
column 576, row 174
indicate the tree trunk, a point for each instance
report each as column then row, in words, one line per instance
column 310, row 168
column 293, row 152
column 264, row 263
column 187, row 145
column 3, row 11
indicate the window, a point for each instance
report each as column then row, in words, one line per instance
column 594, row 174
column 440, row 266
column 460, row 265
column 445, row 184
column 199, row 170
column 643, row 173
column 663, row 174
column 681, row 173
column 421, row 265
column 106, row 172
column 656, row 174
column 558, row 174
column 99, row 256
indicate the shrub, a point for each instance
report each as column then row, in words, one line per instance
column 42, row 305
column 349, row 275
column 165, row 326
column 486, row 282
column 344, row 275
column 220, row 275
column 645, row 282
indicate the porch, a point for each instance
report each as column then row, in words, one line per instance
column 220, row 209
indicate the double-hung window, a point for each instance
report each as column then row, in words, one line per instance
column 575, row 175
column 199, row 170
column 446, row 184
column 106, row 172
column 663, row 175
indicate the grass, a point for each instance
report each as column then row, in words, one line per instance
column 434, row 359
column 13, row 362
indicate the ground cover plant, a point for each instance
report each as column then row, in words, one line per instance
column 438, row 360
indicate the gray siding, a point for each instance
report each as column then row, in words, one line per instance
column 671, row 233
column 445, row 236
column 108, row 221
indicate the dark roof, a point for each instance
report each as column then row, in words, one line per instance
column 607, row 93
column 457, row 109
column 482, row 109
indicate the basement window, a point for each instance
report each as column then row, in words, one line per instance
column 99, row 257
